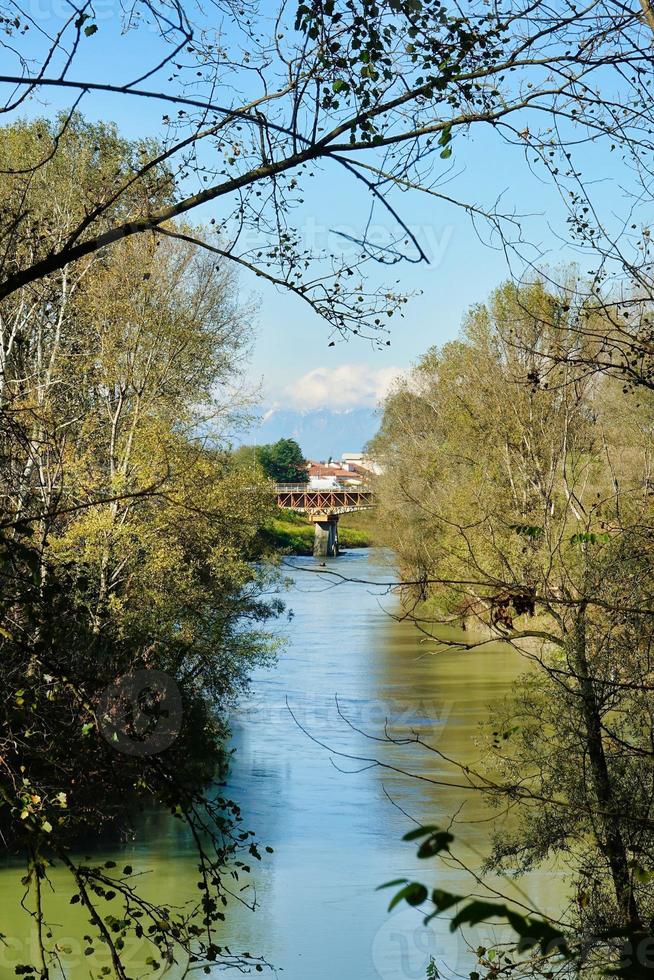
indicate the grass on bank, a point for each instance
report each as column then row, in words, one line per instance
column 294, row 533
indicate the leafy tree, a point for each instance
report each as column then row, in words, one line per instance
column 283, row 461
column 513, row 524
column 132, row 607
column 244, row 459
column 385, row 95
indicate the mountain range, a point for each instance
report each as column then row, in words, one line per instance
column 321, row 432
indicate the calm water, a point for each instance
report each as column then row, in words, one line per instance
column 309, row 788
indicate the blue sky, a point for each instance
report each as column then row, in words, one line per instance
column 291, row 360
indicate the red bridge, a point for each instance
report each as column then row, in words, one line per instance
column 324, row 507
column 301, row 498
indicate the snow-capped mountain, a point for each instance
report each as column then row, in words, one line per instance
column 321, row 432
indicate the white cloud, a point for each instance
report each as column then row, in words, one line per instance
column 346, row 386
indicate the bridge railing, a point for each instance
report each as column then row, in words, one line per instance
column 305, row 488
column 290, row 487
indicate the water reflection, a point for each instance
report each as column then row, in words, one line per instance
column 308, row 785
column 335, row 819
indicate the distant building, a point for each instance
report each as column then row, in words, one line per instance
column 361, row 462
column 353, row 470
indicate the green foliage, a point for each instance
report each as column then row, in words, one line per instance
column 283, row 461
column 294, row 534
column 435, row 840
column 360, row 63
column 51, row 172
column 133, row 604
column 551, row 945
column 532, row 932
column 526, row 511
column 432, row 972
column 589, row 537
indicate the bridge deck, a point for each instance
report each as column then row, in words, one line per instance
column 299, row 497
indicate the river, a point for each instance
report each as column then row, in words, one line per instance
column 305, row 776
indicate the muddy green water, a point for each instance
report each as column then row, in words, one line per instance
column 335, row 821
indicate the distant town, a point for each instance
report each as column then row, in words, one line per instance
column 352, row 470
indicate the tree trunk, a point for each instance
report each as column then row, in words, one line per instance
column 613, row 844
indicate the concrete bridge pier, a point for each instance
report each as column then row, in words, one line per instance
column 325, row 542
column 323, row 506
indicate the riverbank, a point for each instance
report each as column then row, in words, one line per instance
column 335, row 827
column 294, row 534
